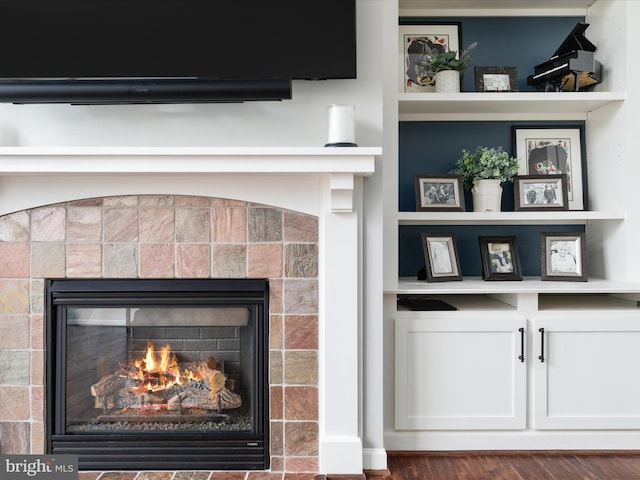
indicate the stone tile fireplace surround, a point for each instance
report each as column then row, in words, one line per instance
column 171, row 225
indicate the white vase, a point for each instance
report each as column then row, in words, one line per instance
column 487, row 195
column 448, row 81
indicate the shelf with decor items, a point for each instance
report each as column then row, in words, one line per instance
column 436, row 405
column 430, row 118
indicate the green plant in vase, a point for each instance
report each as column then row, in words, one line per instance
column 447, row 67
column 482, row 172
column 438, row 61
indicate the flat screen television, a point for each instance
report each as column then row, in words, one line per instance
column 171, row 51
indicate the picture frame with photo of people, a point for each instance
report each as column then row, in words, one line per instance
column 540, row 192
column 439, row 193
column 563, row 256
column 500, row 258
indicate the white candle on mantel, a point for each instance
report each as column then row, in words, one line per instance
column 341, row 126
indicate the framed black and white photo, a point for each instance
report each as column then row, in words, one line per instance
column 500, row 259
column 441, row 257
column 413, row 40
column 496, row 79
column 563, row 256
column 540, row 192
column 439, row 193
column 549, row 150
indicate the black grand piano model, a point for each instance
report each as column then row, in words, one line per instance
column 572, row 67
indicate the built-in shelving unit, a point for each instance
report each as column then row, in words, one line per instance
column 511, row 366
column 594, row 107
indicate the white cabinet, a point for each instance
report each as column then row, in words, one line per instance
column 469, row 370
column 586, row 369
column 460, row 373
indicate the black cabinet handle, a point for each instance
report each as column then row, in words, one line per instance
column 521, row 357
column 541, row 356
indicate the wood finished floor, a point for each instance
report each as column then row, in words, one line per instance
column 514, row 466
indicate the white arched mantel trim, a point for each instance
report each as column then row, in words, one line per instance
column 291, row 178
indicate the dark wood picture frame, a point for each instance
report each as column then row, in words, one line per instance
column 442, row 263
column 540, row 192
column 439, row 193
column 500, row 259
column 563, row 256
column 554, row 149
column 496, row 79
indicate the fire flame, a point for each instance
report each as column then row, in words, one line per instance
column 160, row 372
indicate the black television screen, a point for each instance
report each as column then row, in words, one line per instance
column 66, row 44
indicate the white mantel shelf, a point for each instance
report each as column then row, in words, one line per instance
column 37, row 160
column 340, row 164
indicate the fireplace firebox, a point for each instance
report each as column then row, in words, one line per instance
column 158, row 374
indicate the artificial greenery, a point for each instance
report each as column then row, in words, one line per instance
column 437, row 61
column 485, row 162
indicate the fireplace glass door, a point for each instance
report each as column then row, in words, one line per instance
column 175, row 374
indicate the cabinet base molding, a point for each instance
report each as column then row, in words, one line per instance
column 525, row 441
column 467, row 453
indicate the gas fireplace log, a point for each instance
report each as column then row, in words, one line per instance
column 228, row 399
column 192, row 398
column 110, row 384
column 105, row 402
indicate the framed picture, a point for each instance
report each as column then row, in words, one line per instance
column 439, row 193
column 496, row 79
column 563, row 256
column 441, row 257
column 412, row 42
column 549, row 150
column 540, row 192
column 500, row 260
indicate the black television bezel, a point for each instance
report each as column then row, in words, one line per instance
column 35, row 72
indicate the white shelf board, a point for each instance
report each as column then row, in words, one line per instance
column 461, row 302
column 511, row 218
column 494, row 7
column 586, row 303
column 475, row 285
column 506, row 105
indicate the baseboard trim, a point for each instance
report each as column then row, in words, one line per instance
column 377, row 474
column 347, row 476
column 463, row 453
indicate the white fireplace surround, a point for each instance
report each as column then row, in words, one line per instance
column 325, row 182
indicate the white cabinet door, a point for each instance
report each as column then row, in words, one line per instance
column 460, row 373
column 587, row 373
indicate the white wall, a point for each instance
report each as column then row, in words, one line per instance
column 301, row 121
column 297, row 122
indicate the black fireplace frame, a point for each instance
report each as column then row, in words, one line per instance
column 175, row 451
